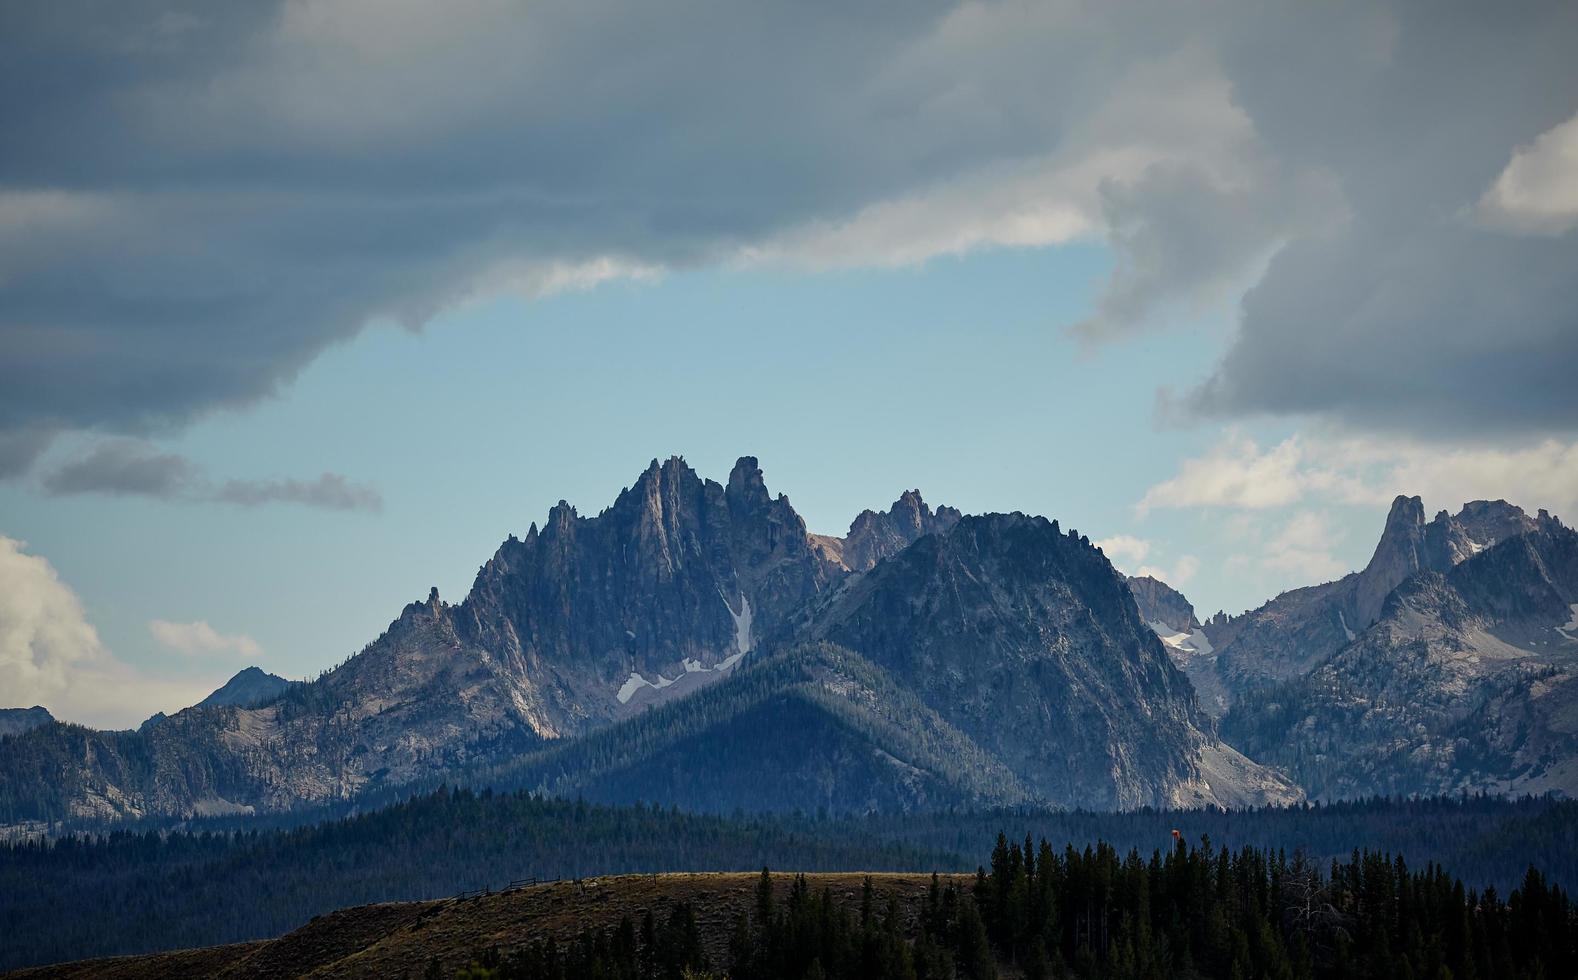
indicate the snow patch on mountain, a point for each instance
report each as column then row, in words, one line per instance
column 742, row 627
column 636, row 682
column 1572, row 624
column 1189, row 645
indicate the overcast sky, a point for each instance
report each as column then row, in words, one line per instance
column 304, row 306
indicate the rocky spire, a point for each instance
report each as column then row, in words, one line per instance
column 1398, row 555
column 875, row 535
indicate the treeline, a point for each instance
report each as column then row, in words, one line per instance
column 128, row 892
column 1188, row 911
column 80, row 897
column 809, row 934
column 673, row 952
column 1207, row 911
column 1485, row 840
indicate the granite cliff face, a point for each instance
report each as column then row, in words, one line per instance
column 658, row 595
column 1172, row 618
column 1467, row 681
column 1162, row 605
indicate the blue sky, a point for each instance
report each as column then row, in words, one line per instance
column 954, row 377
column 305, row 305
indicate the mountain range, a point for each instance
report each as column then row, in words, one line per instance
column 924, row 657
column 1466, row 682
column 693, row 644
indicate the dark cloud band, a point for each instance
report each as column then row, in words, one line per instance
column 197, row 199
column 128, row 468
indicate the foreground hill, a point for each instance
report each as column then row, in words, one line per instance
column 403, row 938
column 1038, row 912
column 133, row 893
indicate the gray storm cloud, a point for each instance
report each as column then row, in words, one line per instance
column 1409, row 314
column 197, row 199
column 131, row 468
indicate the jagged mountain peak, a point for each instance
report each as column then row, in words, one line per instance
column 1408, row 544
column 1467, row 682
column 746, row 479
column 585, row 622
column 249, row 687
column 1293, row 633
column 875, row 535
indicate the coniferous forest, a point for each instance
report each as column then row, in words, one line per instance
column 1192, row 911
column 213, row 883
column 1038, row 911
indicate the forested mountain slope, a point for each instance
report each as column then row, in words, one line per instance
column 1035, row 910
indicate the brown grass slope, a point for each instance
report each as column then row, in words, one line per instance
column 398, row 939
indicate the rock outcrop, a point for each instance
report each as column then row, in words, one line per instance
column 1162, row 605
column 875, row 535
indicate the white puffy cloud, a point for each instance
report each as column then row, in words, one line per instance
column 1128, row 554
column 1237, row 474
column 200, row 638
column 1178, row 574
column 1302, row 550
column 51, row 655
column 1124, row 549
column 1537, row 193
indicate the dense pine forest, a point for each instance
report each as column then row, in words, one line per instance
column 1187, row 912
column 125, row 893
column 215, row 882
